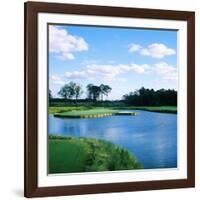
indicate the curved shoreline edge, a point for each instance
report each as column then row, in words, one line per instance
column 71, row 154
column 92, row 115
column 158, row 111
column 95, row 112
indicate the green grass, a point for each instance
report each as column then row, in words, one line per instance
column 79, row 111
column 162, row 109
column 90, row 113
column 93, row 113
column 68, row 154
column 60, row 109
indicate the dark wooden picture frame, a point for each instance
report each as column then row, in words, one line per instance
column 31, row 95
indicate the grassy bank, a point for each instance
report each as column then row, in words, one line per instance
column 90, row 113
column 161, row 109
column 60, row 109
column 88, row 110
column 68, row 155
column 93, row 113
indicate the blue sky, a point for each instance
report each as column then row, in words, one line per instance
column 124, row 58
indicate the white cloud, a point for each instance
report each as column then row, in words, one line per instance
column 171, row 77
column 101, row 72
column 66, row 56
column 64, row 44
column 167, row 71
column 110, row 72
column 134, row 47
column 163, row 68
column 58, row 80
column 155, row 50
column 114, row 72
column 76, row 75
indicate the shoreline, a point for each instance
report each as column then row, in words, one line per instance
column 88, row 155
column 100, row 111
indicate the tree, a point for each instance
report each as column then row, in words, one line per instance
column 93, row 92
column 78, row 91
column 65, row 92
column 50, row 94
column 96, row 92
column 71, row 90
column 89, row 91
column 104, row 90
column 72, row 87
column 150, row 97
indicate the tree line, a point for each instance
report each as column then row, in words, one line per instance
column 74, row 91
column 151, row 97
column 141, row 97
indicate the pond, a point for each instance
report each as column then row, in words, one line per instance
column 150, row 136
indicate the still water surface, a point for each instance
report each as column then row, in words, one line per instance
column 150, row 136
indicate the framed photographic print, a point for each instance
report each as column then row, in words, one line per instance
column 109, row 99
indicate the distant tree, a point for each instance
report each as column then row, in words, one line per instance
column 89, row 91
column 93, row 92
column 150, row 97
column 78, row 91
column 71, row 90
column 96, row 91
column 105, row 89
column 50, row 94
column 65, row 92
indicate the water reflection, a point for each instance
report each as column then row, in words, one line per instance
column 152, row 137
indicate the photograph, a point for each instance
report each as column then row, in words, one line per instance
column 109, row 99
column 112, row 98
